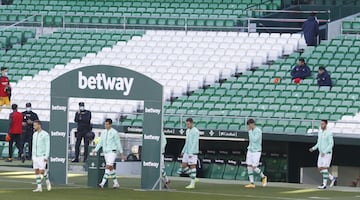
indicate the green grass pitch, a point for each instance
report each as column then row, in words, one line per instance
column 18, row 185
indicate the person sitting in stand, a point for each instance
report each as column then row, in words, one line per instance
column 323, row 77
column 300, row 71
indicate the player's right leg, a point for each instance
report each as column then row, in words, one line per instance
column 323, row 165
column 36, row 166
column 184, row 165
column 192, row 162
column 250, row 169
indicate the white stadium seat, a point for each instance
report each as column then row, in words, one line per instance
column 177, row 59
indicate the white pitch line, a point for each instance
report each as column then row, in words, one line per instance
column 237, row 195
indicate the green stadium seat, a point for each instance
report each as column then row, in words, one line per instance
column 170, row 164
column 206, row 168
column 217, row 169
column 230, row 170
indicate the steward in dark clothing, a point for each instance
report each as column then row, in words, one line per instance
column 311, row 30
column 323, row 77
column 83, row 120
column 300, row 71
column 28, row 130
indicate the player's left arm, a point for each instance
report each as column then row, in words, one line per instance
column 118, row 143
column 330, row 141
column 315, row 146
column 256, row 136
column 194, row 142
column 119, row 146
column 47, row 146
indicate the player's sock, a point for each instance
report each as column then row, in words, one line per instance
column 105, row 177
column 183, row 170
column 325, row 175
column 46, row 176
column 258, row 171
column 38, row 181
column 186, row 170
column 164, row 175
column 331, row 177
column 192, row 175
column 251, row 174
column 113, row 176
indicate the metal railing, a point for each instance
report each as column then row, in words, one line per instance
column 172, row 23
column 291, row 21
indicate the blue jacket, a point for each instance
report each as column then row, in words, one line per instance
column 311, row 31
column 324, row 79
column 301, row 72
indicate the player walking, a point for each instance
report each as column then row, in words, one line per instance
column 254, row 153
column 325, row 144
column 190, row 153
column 40, row 155
column 110, row 143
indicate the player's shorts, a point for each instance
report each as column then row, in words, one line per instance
column 324, row 161
column 39, row 162
column 190, row 159
column 253, row 158
column 110, row 158
column 4, row 101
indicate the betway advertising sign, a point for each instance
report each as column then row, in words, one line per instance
column 107, row 82
column 101, row 81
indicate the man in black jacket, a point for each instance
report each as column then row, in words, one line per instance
column 311, row 30
column 83, row 120
column 323, row 77
column 28, row 118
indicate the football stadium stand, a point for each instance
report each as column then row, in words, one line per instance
column 181, row 61
column 351, row 26
column 255, row 94
column 55, row 13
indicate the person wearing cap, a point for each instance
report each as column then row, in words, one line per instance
column 28, row 119
column 83, row 120
column 5, row 88
column 323, row 77
column 311, row 30
column 15, row 132
column 300, row 71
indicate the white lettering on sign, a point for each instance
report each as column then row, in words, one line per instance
column 152, row 110
column 57, row 160
column 151, row 137
column 102, row 82
column 58, row 133
column 57, row 107
column 150, row 164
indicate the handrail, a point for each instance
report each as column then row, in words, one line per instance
column 284, row 20
column 239, row 24
column 19, row 22
column 290, row 11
